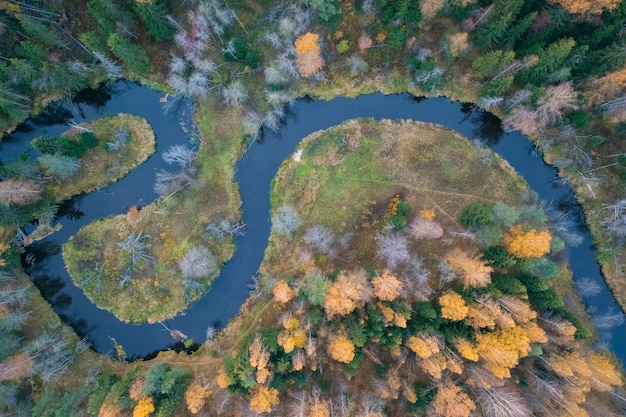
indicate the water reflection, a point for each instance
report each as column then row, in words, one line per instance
column 51, row 288
column 68, row 209
column 488, row 127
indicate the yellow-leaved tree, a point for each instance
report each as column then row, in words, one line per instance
column 531, row 244
column 472, row 271
column 452, row 306
column 195, row 397
column 502, row 349
column 308, row 58
column 144, row 407
column 450, row 401
column 263, row 399
column 587, row 6
column 292, row 336
column 386, row 286
column 341, row 349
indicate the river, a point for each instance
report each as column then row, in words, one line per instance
column 253, row 175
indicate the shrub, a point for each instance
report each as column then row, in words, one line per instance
column 399, row 220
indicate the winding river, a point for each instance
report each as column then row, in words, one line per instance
column 254, row 174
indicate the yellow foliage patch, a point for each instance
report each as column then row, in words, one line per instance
column 531, row 244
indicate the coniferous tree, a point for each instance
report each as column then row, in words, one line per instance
column 133, row 56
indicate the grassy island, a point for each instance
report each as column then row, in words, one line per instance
column 115, row 145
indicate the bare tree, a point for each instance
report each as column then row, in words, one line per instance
column 51, row 356
column 393, row 249
column 198, row 262
column 503, row 402
column 286, row 220
column 19, row 191
column 556, row 100
column 234, row 94
column 179, row 155
column 615, row 223
column 121, row 138
column 320, row 238
column 136, row 246
column 226, row 228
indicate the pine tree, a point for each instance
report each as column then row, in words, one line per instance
column 133, row 56
column 154, row 16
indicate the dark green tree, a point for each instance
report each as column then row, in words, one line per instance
column 133, row 56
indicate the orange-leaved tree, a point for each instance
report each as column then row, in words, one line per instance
column 263, row 399
column 349, row 291
column 308, row 58
column 341, row 349
column 473, row 271
column 452, row 306
column 386, row 286
column 531, row 244
column 282, row 292
column 424, row 346
column 259, row 358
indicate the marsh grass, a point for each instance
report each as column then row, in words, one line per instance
column 170, row 226
column 101, row 166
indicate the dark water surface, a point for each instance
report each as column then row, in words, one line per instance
column 254, row 174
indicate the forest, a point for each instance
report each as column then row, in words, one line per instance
column 409, row 271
